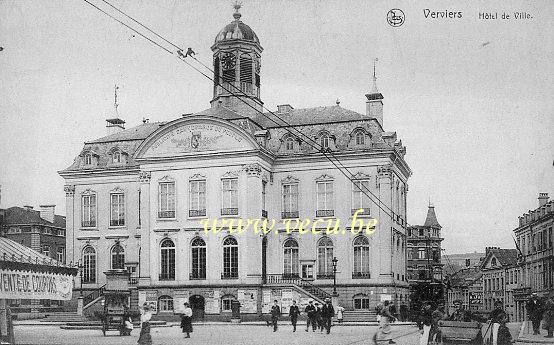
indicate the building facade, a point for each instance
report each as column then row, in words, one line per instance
column 465, row 285
column 456, row 262
column 534, row 238
column 424, row 250
column 142, row 199
column 500, row 279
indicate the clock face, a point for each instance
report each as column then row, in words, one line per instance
column 228, row 61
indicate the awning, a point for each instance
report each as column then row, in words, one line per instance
column 28, row 274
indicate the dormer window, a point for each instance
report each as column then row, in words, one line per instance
column 88, row 159
column 493, row 262
column 116, row 157
column 289, row 144
column 324, row 141
column 360, row 138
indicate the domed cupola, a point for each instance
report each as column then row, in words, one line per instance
column 237, row 61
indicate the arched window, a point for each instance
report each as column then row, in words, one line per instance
column 493, row 261
column 116, row 157
column 291, row 258
column 198, row 259
column 230, row 258
column 360, row 138
column 167, row 267
column 361, row 302
column 325, row 258
column 118, row 257
column 89, row 265
column 88, row 159
column 289, row 144
column 361, row 258
column 324, row 141
column 165, row 303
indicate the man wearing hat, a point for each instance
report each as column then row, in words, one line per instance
column 534, row 311
column 327, row 313
column 311, row 312
column 275, row 313
column 500, row 334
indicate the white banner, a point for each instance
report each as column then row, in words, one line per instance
column 30, row 285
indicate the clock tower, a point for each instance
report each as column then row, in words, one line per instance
column 237, row 61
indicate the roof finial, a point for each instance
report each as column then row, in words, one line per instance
column 374, row 89
column 115, row 104
column 237, row 6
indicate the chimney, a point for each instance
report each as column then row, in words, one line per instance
column 284, row 108
column 114, row 125
column 47, row 212
column 28, row 207
column 543, row 199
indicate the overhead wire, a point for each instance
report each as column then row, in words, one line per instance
column 326, row 152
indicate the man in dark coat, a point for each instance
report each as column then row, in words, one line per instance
column 318, row 318
column 500, row 333
column 311, row 313
column 294, row 312
column 275, row 313
column 327, row 313
column 534, row 311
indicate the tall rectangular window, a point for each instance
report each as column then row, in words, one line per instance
column 290, row 200
column 88, row 212
column 166, row 200
column 230, row 196
column 197, row 198
column 360, row 198
column 61, row 254
column 117, row 209
column 325, row 199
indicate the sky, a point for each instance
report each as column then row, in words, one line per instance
column 470, row 98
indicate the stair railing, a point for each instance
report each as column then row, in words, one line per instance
column 94, row 295
column 296, row 280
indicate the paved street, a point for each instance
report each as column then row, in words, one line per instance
column 213, row 334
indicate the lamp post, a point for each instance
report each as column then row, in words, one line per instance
column 80, row 267
column 335, row 275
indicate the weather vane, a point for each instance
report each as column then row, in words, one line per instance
column 237, row 5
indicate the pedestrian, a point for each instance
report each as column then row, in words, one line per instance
column 127, row 326
column 425, row 323
column 435, row 335
column 311, row 313
column 146, row 314
column 318, row 318
column 548, row 317
column 294, row 312
column 340, row 313
column 327, row 313
column 498, row 319
column 534, row 312
column 403, row 312
column 384, row 330
column 186, row 320
column 275, row 313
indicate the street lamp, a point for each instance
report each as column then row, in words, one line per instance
column 335, row 275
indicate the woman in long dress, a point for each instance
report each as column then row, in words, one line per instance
column 186, row 320
column 383, row 335
column 145, row 338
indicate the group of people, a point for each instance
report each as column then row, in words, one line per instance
column 541, row 311
column 318, row 317
column 146, row 314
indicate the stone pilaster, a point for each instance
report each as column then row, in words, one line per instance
column 385, row 223
column 253, row 196
column 145, row 227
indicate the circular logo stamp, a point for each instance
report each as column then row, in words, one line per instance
column 395, row 17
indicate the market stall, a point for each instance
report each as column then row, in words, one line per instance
column 28, row 274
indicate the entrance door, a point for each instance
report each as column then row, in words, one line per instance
column 197, row 305
column 264, row 260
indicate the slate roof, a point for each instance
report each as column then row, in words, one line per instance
column 431, row 219
column 140, row 132
column 19, row 215
column 310, row 116
column 505, row 257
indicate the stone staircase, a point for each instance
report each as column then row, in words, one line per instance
column 64, row 317
column 299, row 284
column 359, row 316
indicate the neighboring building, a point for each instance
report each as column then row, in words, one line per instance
column 465, row 285
column 499, row 267
column 534, row 238
column 424, row 250
column 456, row 262
column 136, row 199
column 42, row 231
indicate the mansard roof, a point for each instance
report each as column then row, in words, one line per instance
column 311, row 116
column 18, row 215
column 505, row 257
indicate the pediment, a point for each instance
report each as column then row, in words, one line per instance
column 195, row 135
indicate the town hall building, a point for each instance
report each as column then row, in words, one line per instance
column 137, row 198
